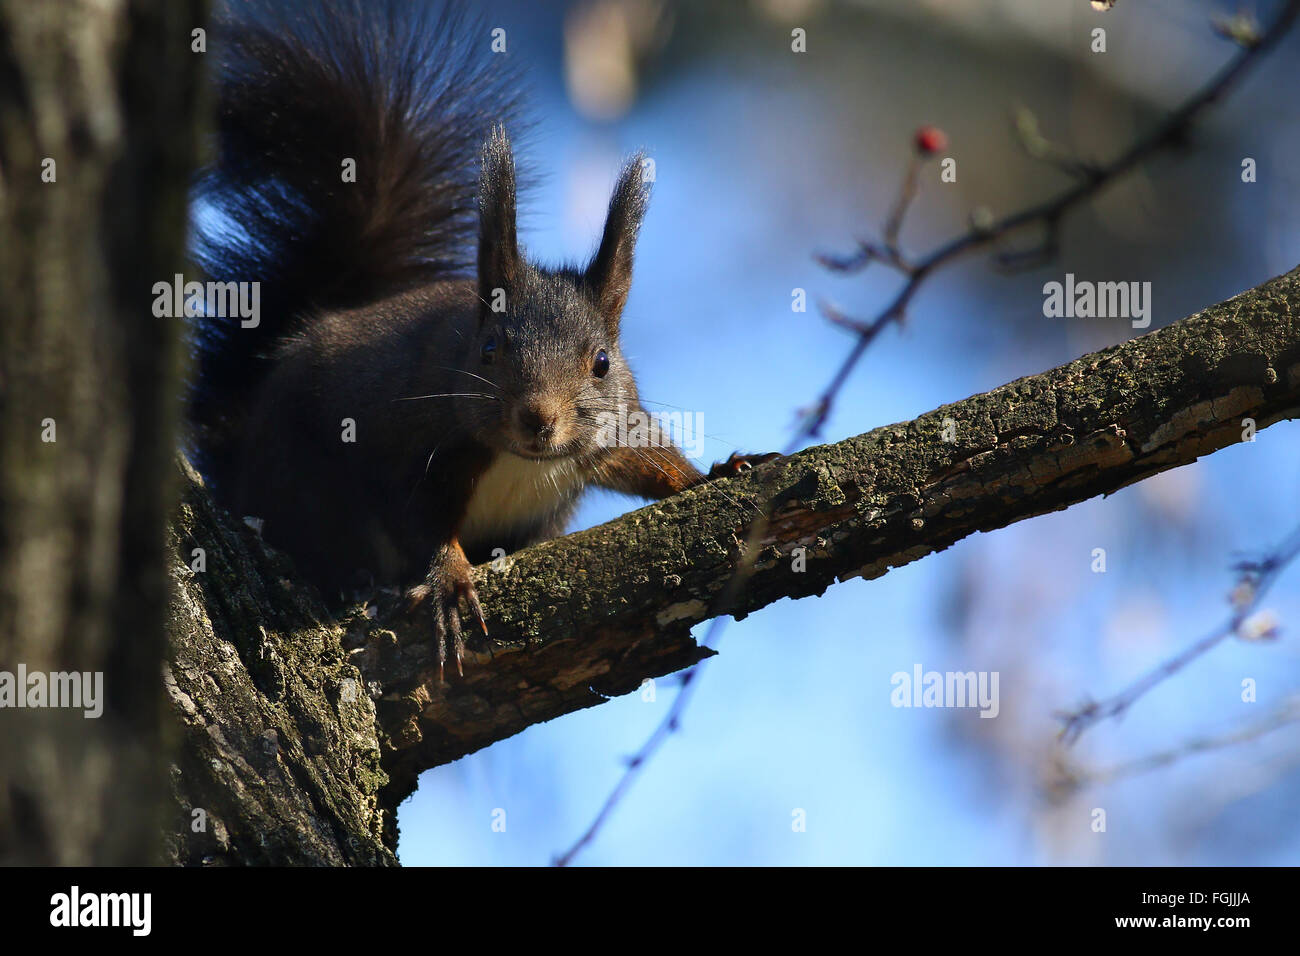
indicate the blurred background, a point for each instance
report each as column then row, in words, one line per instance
column 764, row 157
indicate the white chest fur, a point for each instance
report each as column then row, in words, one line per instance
column 515, row 492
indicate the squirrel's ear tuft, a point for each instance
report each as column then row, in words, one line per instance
column 609, row 275
column 498, row 247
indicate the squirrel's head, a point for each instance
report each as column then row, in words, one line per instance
column 547, row 340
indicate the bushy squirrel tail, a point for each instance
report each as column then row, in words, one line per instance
column 345, row 166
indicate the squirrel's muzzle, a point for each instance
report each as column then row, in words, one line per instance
column 537, row 422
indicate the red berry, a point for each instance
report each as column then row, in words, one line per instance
column 930, row 140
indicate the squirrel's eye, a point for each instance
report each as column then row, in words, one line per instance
column 489, row 349
column 601, row 365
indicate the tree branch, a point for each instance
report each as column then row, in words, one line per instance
column 591, row 615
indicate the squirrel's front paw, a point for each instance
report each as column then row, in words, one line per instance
column 737, row 463
column 448, row 581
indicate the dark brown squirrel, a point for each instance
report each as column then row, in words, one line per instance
column 397, row 413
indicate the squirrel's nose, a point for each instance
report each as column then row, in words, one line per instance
column 537, row 419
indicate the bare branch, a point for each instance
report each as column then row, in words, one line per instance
column 1257, row 578
column 1068, row 780
column 1091, row 180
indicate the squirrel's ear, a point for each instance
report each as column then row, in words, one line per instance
column 609, row 276
column 498, row 248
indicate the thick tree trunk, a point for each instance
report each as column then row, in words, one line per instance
column 97, row 142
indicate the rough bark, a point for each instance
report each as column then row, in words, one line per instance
column 279, row 759
column 108, row 92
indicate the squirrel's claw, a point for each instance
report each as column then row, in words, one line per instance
column 738, row 463
column 475, row 609
column 457, row 638
column 447, row 631
column 449, row 579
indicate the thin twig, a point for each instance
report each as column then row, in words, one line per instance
column 1091, row 180
column 1286, row 714
column 1257, row 578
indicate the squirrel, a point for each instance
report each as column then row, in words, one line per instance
column 416, row 393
